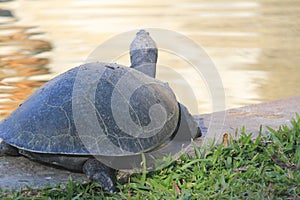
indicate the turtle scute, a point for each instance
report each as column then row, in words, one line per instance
column 96, row 108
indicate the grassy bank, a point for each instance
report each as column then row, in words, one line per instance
column 267, row 167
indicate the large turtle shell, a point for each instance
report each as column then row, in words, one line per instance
column 94, row 109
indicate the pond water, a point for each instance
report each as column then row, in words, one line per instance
column 253, row 44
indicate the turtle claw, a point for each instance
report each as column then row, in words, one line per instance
column 100, row 174
column 105, row 181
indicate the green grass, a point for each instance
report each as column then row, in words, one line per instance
column 267, row 167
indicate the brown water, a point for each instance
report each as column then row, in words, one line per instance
column 254, row 44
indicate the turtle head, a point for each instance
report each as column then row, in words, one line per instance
column 143, row 53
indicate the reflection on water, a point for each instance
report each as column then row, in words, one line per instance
column 18, row 64
column 254, row 44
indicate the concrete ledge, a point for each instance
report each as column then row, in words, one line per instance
column 17, row 172
column 272, row 114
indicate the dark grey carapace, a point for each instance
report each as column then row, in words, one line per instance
column 98, row 109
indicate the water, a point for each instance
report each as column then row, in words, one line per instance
column 253, row 44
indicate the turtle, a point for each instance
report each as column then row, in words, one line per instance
column 98, row 109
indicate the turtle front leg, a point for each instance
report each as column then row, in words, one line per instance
column 100, row 173
column 6, row 149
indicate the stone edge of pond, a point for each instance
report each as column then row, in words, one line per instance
column 18, row 172
column 272, row 114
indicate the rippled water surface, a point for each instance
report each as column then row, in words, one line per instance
column 253, row 44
